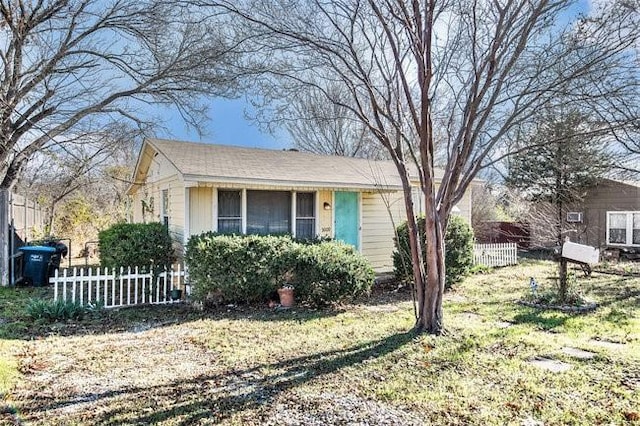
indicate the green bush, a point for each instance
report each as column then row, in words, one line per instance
column 250, row 269
column 136, row 244
column 48, row 310
column 458, row 250
column 235, row 269
column 328, row 272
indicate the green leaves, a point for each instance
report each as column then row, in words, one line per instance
column 136, row 244
column 249, row 269
column 50, row 311
column 458, row 241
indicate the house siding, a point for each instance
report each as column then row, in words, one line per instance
column 325, row 217
column 381, row 212
column 606, row 197
column 200, row 210
column 175, row 186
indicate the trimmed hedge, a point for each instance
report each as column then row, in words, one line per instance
column 458, row 250
column 329, row 272
column 136, row 244
column 250, row 269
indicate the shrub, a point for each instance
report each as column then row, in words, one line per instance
column 136, row 244
column 250, row 269
column 235, row 269
column 458, row 250
column 48, row 310
column 329, row 271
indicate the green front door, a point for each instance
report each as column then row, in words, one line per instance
column 347, row 217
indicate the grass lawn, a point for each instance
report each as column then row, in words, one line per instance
column 354, row 365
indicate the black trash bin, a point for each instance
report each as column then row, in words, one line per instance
column 37, row 261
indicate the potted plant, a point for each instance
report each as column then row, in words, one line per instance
column 285, row 293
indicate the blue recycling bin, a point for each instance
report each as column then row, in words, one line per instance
column 37, row 261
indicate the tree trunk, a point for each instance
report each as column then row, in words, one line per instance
column 431, row 290
column 430, row 314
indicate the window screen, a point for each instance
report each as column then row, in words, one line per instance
column 268, row 212
column 617, row 228
column 305, row 215
column 636, row 228
column 229, row 212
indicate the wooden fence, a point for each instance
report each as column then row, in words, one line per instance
column 117, row 288
column 494, row 255
column 19, row 219
column 26, row 215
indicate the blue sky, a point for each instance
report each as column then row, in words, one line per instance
column 228, row 124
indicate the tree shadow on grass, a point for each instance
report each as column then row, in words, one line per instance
column 622, row 292
column 147, row 317
column 542, row 319
column 216, row 396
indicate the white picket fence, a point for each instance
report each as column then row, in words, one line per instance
column 493, row 255
column 112, row 288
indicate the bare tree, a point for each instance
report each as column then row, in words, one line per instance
column 71, row 67
column 329, row 128
column 437, row 80
column 57, row 172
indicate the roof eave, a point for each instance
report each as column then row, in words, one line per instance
column 289, row 183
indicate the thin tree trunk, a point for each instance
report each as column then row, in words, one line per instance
column 430, row 314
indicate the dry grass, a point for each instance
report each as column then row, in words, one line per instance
column 355, row 365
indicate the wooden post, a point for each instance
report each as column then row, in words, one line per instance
column 563, row 278
column 4, row 241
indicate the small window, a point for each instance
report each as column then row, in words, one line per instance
column 305, row 215
column 617, row 228
column 229, row 212
column 165, row 207
column 623, row 228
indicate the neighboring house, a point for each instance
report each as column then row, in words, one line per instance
column 197, row 187
column 609, row 215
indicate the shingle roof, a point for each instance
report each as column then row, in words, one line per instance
column 228, row 163
column 634, row 183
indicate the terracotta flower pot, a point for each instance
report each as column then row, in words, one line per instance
column 286, row 297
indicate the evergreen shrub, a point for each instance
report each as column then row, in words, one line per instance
column 145, row 245
column 458, row 250
column 250, row 269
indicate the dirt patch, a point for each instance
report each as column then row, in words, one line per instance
column 332, row 409
column 66, row 377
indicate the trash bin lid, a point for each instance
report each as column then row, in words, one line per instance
column 38, row 249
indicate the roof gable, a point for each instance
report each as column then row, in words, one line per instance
column 148, row 159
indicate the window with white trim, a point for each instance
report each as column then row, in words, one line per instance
column 305, row 215
column 623, row 228
column 229, row 212
column 268, row 212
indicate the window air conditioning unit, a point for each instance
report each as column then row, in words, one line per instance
column 574, row 217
